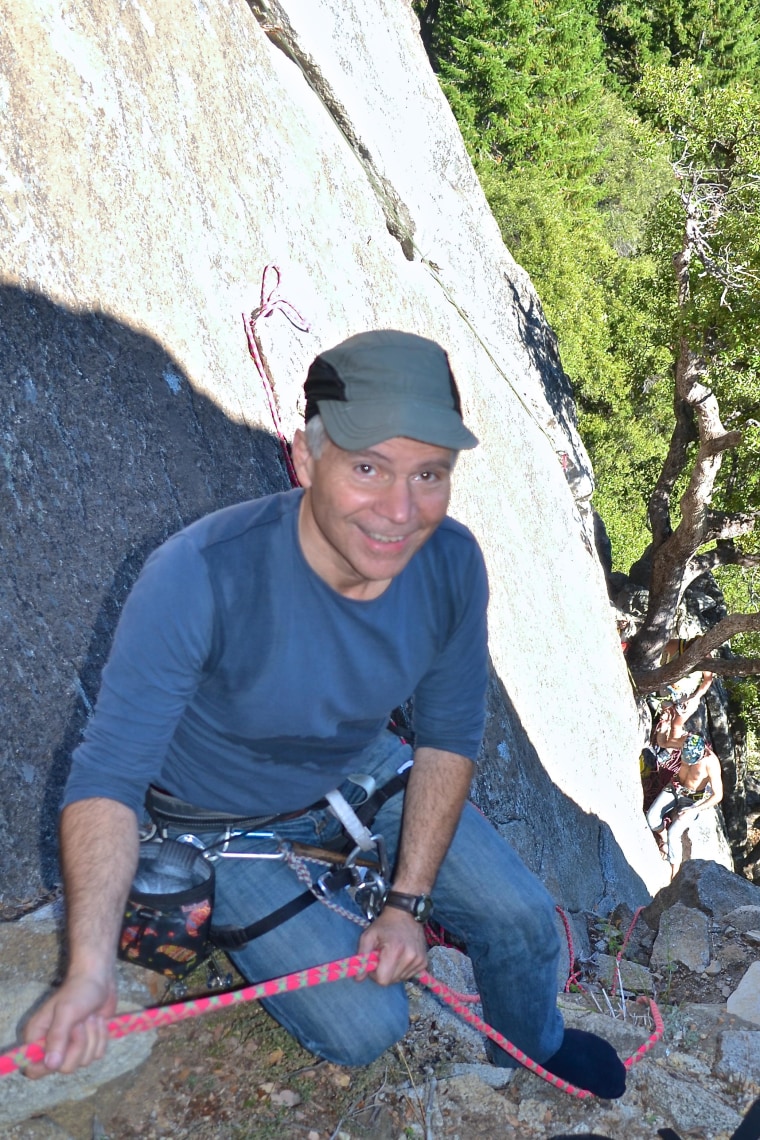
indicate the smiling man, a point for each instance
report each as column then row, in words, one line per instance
column 252, row 675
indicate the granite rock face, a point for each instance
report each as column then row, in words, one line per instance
column 155, row 159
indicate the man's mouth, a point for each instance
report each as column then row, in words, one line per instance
column 388, row 538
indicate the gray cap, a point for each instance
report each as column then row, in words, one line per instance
column 383, row 384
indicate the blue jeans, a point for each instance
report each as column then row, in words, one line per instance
column 483, row 893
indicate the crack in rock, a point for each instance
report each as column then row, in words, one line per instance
column 275, row 24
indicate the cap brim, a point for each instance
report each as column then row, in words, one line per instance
column 365, row 423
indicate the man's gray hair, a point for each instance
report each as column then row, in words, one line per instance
column 315, row 436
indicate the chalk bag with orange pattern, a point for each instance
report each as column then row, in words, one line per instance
column 167, row 919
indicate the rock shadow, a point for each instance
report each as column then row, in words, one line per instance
column 106, row 449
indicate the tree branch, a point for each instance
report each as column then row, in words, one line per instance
column 695, row 656
column 726, row 555
column 721, row 526
column 658, row 508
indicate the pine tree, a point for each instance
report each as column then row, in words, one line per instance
column 523, row 77
column 719, row 36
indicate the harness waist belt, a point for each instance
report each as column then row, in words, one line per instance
column 165, row 809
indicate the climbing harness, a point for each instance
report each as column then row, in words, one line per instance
column 168, row 922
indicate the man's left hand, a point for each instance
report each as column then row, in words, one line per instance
column 401, row 946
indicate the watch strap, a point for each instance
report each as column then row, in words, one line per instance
column 420, row 907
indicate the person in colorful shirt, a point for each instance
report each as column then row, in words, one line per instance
column 696, row 782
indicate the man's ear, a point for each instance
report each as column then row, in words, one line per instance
column 303, row 460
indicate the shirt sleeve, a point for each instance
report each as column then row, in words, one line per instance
column 450, row 700
column 162, row 643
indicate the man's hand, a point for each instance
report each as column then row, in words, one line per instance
column 73, row 1024
column 400, row 944
column 99, row 842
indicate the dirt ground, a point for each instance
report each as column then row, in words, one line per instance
column 236, row 1075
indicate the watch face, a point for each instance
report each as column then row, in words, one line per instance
column 423, row 908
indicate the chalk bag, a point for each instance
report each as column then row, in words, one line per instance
column 167, row 920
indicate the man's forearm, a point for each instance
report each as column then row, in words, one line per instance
column 99, row 843
column 439, row 783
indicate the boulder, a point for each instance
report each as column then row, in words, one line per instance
column 744, row 1002
column 705, row 886
column 684, row 937
column 29, row 963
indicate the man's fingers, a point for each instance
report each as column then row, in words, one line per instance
column 72, row 1025
column 88, row 1044
column 401, row 946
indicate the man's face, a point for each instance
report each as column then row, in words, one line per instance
column 366, row 513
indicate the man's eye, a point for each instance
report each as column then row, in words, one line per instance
column 428, row 476
column 365, row 468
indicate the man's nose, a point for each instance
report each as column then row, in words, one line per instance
column 396, row 501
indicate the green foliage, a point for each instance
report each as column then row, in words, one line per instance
column 720, row 36
column 716, row 143
column 591, row 130
column 523, row 78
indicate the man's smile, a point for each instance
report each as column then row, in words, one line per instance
column 389, row 538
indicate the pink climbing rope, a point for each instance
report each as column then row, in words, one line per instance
column 341, row 968
column 271, row 303
column 659, row 1029
column 161, row 1015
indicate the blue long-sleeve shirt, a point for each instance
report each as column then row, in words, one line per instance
column 241, row 682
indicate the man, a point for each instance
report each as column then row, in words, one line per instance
column 253, row 671
column 696, row 786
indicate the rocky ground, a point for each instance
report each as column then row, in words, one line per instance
column 235, row 1075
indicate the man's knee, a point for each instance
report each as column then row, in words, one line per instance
column 528, row 923
column 354, row 1029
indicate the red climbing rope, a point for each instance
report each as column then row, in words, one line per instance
column 271, row 303
column 621, row 951
column 573, row 977
column 335, row 971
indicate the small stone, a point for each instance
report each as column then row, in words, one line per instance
column 753, row 936
column 286, row 1097
column 713, row 968
column 726, row 991
column 744, row 1002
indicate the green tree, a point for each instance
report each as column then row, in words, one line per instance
column 705, row 239
column 523, row 77
column 720, row 36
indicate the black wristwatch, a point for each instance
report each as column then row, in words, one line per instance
column 419, row 906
